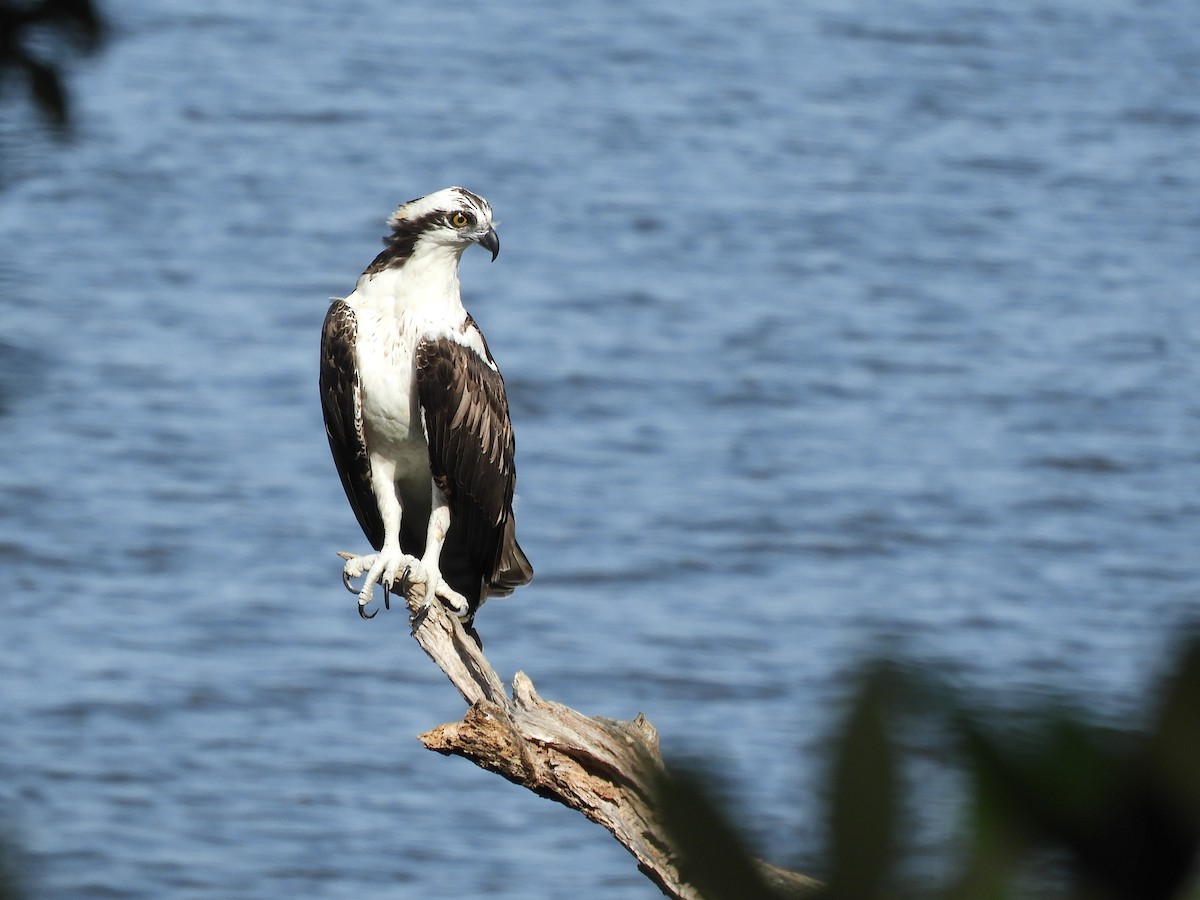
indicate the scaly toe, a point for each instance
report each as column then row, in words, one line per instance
column 415, row 583
column 453, row 600
column 353, row 568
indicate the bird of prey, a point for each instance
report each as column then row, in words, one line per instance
column 417, row 417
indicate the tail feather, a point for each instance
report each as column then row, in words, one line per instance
column 514, row 570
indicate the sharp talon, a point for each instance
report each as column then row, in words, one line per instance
column 346, row 581
column 387, row 598
column 418, row 618
column 362, row 612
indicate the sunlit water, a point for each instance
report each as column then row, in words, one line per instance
column 830, row 330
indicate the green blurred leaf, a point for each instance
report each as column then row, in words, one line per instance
column 10, row 882
column 995, row 849
column 1089, row 792
column 1119, row 811
column 712, row 855
column 1175, row 740
column 862, row 818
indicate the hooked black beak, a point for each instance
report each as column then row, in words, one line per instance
column 491, row 241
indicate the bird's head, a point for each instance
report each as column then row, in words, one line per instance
column 453, row 218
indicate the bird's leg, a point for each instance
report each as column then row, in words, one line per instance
column 391, row 564
column 439, row 524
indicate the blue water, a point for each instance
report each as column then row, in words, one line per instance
column 830, row 329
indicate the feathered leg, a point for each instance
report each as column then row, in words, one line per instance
column 390, row 564
column 439, row 525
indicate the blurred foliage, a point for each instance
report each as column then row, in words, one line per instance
column 37, row 40
column 10, row 883
column 1116, row 813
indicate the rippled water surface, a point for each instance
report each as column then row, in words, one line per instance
column 829, row 329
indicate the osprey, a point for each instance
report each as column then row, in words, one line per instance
column 417, row 416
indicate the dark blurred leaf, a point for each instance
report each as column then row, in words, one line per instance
column 1175, row 741
column 1091, row 793
column 78, row 20
column 995, row 848
column 1066, row 777
column 862, row 820
column 10, row 883
column 48, row 92
column 39, row 40
column 1120, row 810
column 713, row 857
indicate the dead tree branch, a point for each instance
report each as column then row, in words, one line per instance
column 604, row 768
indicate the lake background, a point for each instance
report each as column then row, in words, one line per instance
column 830, row 330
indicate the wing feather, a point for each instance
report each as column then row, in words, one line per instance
column 472, row 459
column 341, row 403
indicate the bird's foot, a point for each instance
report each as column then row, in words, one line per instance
column 451, row 599
column 386, row 569
column 406, row 573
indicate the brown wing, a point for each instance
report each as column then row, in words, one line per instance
column 341, row 402
column 471, row 457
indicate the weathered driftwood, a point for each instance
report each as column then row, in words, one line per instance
column 603, row 768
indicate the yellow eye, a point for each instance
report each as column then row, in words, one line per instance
column 459, row 220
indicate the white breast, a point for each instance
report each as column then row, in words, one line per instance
column 396, row 309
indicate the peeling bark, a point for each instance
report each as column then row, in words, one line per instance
column 604, row 768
